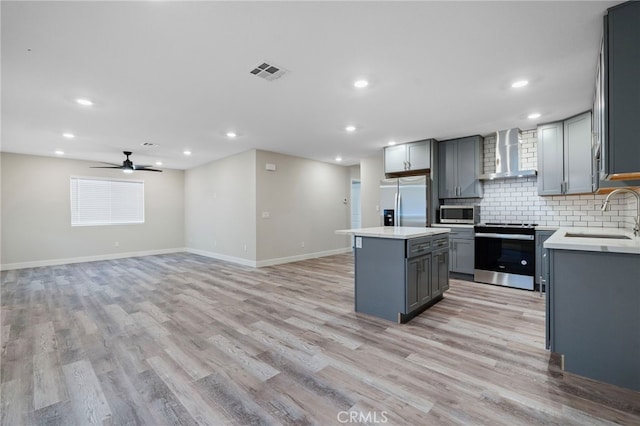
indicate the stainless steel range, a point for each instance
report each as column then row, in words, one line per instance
column 505, row 254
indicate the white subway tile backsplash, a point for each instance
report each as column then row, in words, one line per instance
column 517, row 200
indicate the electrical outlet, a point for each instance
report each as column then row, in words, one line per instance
column 245, row 247
column 116, row 244
column 302, row 244
column 266, row 215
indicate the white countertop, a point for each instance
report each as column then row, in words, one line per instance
column 560, row 241
column 398, row 232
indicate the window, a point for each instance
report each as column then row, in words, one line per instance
column 96, row 201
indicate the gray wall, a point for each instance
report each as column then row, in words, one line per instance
column 303, row 199
column 305, row 202
column 220, row 208
column 36, row 216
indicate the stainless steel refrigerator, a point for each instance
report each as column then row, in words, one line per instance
column 404, row 201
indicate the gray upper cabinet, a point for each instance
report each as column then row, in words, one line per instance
column 565, row 164
column 407, row 157
column 459, row 168
column 621, row 144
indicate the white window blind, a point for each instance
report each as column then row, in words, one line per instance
column 97, row 201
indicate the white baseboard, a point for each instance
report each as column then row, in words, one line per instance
column 232, row 259
column 268, row 262
column 54, row 262
column 219, row 256
column 281, row 260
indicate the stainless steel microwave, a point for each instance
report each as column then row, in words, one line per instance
column 460, row 214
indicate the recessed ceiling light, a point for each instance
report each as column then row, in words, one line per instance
column 59, row 152
column 84, row 102
column 231, row 134
column 391, row 143
column 69, row 135
column 519, row 83
column 187, row 152
column 534, row 115
column 361, row 84
column 350, row 128
column 338, row 159
column 158, row 163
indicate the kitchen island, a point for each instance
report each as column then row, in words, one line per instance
column 593, row 303
column 399, row 271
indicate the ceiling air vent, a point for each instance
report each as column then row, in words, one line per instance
column 268, row 71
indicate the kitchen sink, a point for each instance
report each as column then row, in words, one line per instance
column 607, row 236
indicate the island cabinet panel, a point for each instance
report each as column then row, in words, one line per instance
column 594, row 302
column 439, row 271
column 380, row 277
column 418, row 282
column 395, row 277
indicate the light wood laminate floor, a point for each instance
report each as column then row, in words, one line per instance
column 184, row 339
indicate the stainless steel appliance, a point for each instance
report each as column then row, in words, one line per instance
column 507, row 160
column 505, row 254
column 403, row 201
column 460, row 214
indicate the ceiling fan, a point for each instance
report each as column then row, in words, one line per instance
column 127, row 166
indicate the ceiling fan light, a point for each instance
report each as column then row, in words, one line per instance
column 127, row 171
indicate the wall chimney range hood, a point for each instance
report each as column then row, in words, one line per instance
column 507, row 159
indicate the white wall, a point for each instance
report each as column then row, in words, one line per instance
column 305, row 202
column 36, row 216
column 220, row 206
column 371, row 172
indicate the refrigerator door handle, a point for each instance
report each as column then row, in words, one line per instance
column 396, row 215
column 399, row 208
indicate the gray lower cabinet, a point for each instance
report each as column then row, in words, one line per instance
column 565, row 163
column 418, row 282
column 459, row 168
column 462, row 250
column 439, row 271
column 541, row 269
column 594, row 307
column 395, row 278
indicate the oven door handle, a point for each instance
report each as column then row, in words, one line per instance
column 506, row 236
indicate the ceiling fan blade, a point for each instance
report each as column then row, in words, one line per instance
column 112, row 164
column 140, row 166
column 144, row 169
column 106, row 167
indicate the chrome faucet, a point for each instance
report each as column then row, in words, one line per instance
column 605, row 204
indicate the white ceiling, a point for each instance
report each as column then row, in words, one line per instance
column 176, row 74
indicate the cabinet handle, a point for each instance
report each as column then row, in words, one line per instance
column 408, row 165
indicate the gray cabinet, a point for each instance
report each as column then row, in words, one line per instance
column 439, row 271
column 565, row 164
column 461, row 250
column 620, row 149
column 459, row 168
column 542, row 270
column 418, row 282
column 594, row 303
column 407, row 157
column 393, row 277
